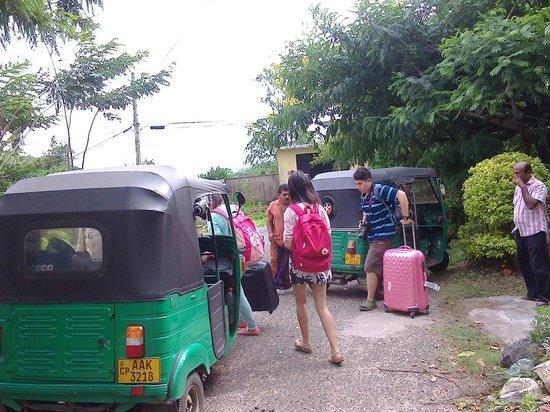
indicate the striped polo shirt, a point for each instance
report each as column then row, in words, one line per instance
column 529, row 222
column 380, row 225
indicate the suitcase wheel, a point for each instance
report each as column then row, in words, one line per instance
column 412, row 314
column 386, row 309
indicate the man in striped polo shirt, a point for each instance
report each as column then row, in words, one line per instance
column 530, row 230
column 376, row 203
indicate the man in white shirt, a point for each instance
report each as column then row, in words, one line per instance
column 530, row 230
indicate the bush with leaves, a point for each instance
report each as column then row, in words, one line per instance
column 488, row 194
column 541, row 326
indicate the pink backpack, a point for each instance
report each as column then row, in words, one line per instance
column 248, row 235
column 248, row 238
column 311, row 244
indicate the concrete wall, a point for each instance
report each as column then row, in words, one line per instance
column 256, row 188
column 286, row 160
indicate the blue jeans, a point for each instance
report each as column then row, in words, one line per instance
column 245, row 311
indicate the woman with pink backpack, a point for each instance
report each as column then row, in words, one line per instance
column 307, row 235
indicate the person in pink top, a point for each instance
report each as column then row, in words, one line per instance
column 530, row 230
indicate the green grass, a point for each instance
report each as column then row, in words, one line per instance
column 471, row 350
column 257, row 211
column 467, row 349
column 541, row 326
column 457, row 285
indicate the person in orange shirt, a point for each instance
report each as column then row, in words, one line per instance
column 275, row 227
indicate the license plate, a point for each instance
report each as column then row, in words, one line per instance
column 354, row 260
column 144, row 370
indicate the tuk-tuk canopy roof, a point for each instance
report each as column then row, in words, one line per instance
column 128, row 188
column 143, row 214
column 343, row 179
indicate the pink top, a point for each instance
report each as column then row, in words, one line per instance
column 529, row 222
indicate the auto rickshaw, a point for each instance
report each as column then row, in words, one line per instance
column 105, row 303
column 342, row 202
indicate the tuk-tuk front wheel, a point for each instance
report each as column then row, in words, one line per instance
column 193, row 398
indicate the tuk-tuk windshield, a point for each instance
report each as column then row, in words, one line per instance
column 67, row 249
column 424, row 192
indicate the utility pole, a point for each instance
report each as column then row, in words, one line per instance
column 136, row 126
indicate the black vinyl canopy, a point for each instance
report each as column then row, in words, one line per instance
column 338, row 189
column 343, row 179
column 144, row 215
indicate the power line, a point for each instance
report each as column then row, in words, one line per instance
column 170, row 50
column 182, row 125
column 101, row 143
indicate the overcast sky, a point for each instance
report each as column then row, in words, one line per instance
column 219, row 47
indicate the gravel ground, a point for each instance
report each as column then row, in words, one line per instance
column 264, row 373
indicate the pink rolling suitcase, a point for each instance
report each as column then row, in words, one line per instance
column 404, row 274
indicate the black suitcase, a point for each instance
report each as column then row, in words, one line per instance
column 259, row 288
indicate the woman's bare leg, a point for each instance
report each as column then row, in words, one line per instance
column 329, row 325
column 301, row 312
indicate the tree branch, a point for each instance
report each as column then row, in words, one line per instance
column 88, row 138
column 486, row 119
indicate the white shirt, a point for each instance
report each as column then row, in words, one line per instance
column 529, row 222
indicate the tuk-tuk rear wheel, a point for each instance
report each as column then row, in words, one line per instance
column 193, row 399
column 441, row 266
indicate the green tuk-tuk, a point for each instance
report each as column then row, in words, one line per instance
column 342, row 201
column 104, row 301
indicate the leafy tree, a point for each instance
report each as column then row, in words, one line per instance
column 43, row 20
column 488, row 205
column 87, row 84
column 21, row 107
column 257, row 169
column 217, row 173
column 14, row 166
column 397, row 84
column 494, row 78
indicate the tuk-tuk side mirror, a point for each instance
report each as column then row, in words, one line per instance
column 199, row 208
column 239, row 198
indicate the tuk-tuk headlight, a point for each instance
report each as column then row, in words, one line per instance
column 135, row 342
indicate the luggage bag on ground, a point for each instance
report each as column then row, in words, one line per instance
column 259, row 288
column 405, row 279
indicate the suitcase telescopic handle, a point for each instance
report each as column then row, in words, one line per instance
column 405, row 235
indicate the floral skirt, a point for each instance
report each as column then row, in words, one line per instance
column 298, row 277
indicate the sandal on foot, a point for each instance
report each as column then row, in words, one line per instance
column 336, row 359
column 300, row 347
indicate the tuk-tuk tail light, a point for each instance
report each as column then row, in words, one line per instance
column 137, row 391
column 135, row 342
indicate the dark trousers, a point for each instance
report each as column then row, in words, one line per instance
column 534, row 263
column 282, row 278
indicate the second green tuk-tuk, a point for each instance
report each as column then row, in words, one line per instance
column 106, row 298
column 342, row 201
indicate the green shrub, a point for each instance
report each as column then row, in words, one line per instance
column 488, row 194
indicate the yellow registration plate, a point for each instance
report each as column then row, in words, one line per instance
column 354, row 260
column 143, row 370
